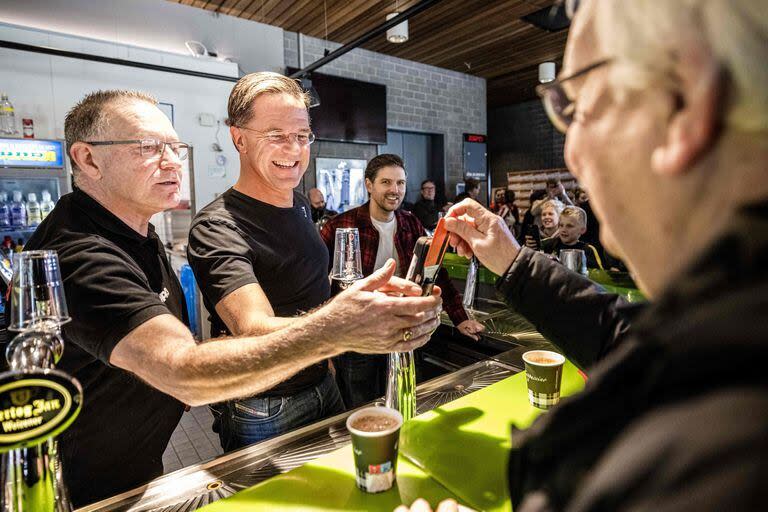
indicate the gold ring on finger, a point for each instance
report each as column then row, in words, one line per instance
column 407, row 335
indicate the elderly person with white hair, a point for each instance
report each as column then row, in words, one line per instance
column 665, row 108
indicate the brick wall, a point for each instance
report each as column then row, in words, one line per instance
column 520, row 137
column 419, row 97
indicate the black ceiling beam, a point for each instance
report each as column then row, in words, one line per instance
column 416, row 9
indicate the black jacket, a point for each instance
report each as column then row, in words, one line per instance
column 674, row 416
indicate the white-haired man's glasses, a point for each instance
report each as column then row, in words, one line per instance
column 559, row 107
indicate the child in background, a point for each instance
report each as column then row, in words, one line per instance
column 572, row 224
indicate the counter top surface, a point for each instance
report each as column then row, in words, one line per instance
column 458, row 450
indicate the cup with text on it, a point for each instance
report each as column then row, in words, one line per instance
column 543, row 373
column 375, row 437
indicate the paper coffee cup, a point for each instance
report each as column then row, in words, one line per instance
column 375, row 450
column 543, row 373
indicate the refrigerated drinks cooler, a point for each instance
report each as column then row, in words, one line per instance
column 34, row 174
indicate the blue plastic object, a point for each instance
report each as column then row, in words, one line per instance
column 189, row 287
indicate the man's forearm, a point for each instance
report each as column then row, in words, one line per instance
column 566, row 308
column 262, row 325
column 251, row 365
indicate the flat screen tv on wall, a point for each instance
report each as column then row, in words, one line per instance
column 349, row 110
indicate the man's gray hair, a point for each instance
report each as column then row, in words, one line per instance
column 654, row 34
column 88, row 119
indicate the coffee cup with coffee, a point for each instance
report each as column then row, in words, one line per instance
column 375, row 437
column 543, row 373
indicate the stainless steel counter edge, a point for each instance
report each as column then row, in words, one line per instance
column 195, row 486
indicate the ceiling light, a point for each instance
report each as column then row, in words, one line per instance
column 398, row 33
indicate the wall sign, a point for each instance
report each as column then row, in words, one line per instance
column 475, row 156
column 31, row 153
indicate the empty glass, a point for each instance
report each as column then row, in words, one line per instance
column 346, row 257
column 575, row 260
column 37, row 295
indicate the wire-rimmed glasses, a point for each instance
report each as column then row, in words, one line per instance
column 149, row 147
column 559, row 106
column 303, row 139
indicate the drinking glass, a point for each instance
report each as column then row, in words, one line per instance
column 37, row 296
column 575, row 260
column 346, row 257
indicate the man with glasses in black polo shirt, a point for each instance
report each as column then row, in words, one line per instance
column 127, row 342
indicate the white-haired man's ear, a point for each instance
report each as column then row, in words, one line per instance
column 693, row 126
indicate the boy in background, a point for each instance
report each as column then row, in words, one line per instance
column 572, row 224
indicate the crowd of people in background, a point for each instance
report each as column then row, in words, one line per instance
column 556, row 219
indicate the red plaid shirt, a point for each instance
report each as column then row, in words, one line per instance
column 409, row 229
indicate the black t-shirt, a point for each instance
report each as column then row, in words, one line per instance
column 238, row 240
column 114, row 279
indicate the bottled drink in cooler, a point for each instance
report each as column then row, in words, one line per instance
column 18, row 210
column 46, row 205
column 8, row 244
column 7, row 247
column 33, row 210
column 7, row 116
column 5, row 212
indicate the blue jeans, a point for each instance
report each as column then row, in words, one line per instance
column 246, row 421
column 361, row 377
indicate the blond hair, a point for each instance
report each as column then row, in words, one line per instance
column 649, row 36
column 576, row 213
column 553, row 203
column 253, row 85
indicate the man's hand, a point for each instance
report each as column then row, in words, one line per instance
column 368, row 319
column 470, row 329
column 475, row 230
column 421, row 505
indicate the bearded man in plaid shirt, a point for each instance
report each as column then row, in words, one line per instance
column 385, row 232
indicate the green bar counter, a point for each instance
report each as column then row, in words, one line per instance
column 459, row 450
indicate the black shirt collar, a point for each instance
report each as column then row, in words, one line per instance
column 108, row 220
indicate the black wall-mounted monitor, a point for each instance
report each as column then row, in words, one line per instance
column 349, row 110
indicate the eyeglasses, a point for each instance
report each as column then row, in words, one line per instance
column 149, row 147
column 559, row 107
column 279, row 139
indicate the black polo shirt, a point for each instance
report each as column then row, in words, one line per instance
column 115, row 279
column 238, row 240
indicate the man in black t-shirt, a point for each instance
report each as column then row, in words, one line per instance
column 128, row 343
column 258, row 258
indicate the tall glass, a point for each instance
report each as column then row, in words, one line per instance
column 346, row 259
column 37, row 296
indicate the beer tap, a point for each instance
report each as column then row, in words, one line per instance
column 401, row 370
column 37, row 402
